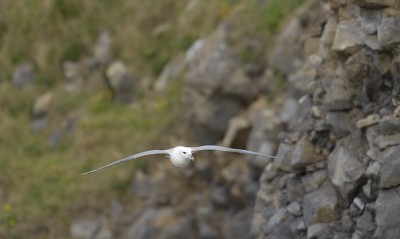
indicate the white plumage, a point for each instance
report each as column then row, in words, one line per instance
column 180, row 156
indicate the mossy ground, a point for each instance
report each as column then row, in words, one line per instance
column 38, row 184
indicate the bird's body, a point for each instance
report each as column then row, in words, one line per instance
column 181, row 156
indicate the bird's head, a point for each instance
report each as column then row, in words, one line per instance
column 181, row 156
column 186, row 153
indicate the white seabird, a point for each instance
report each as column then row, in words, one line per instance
column 180, row 156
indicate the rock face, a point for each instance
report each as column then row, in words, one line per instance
column 345, row 158
column 121, row 82
column 215, row 87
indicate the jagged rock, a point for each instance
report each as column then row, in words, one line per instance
column 215, row 88
column 84, row 228
column 388, row 214
column 24, row 74
column 339, row 96
column 303, row 78
column 314, row 180
column 389, row 125
column 294, row 208
column 304, row 154
column 369, row 21
column 121, row 82
column 390, row 168
column 373, row 170
column 286, row 56
column 368, row 121
column 328, row 36
column 385, row 141
column 277, row 218
column 170, row 72
column 366, row 222
column 357, row 202
column 388, row 31
column 289, row 110
column 284, row 155
column 315, row 230
column 102, row 49
column 347, row 38
column 321, row 205
column 345, row 166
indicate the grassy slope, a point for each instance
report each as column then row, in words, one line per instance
column 38, row 186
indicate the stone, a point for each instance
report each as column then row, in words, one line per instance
column 389, row 125
column 304, row 154
column 390, row 168
column 388, row 214
column 277, row 218
column 366, row 222
column 321, row 205
column 314, row 180
column 347, row 38
column 388, row 30
column 315, row 230
column 23, row 75
column 283, row 157
column 84, row 228
column 339, row 96
column 385, row 141
column 294, row 208
column 370, row 20
column 121, row 82
column 328, row 36
column 303, row 77
column 142, row 227
column 102, row 49
column 358, row 203
column 345, row 166
column 289, row 110
column 368, row 121
column 373, row 170
column 286, row 56
column 42, row 105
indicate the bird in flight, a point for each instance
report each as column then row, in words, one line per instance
column 180, row 156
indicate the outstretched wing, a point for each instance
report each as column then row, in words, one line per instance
column 226, row 149
column 145, row 153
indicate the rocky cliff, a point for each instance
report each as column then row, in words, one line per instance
column 337, row 175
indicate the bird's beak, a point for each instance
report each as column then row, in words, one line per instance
column 192, row 158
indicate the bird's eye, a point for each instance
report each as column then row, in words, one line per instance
column 184, row 152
